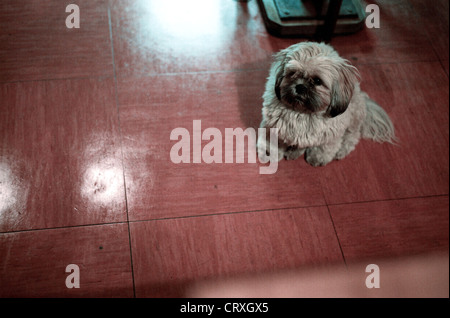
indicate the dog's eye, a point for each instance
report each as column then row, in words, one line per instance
column 290, row 73
column 317, row 81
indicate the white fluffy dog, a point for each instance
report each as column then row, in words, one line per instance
column 313, row 98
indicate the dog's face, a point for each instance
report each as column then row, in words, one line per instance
column 312, row 78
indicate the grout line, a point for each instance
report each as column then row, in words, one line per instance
column 227, row 213
column 62, row 227
column 332, row 223
column 393, row 199
column 114, row 75
column 284, row 208
column 100, row 77
column 199, row 72
column 337, row 237
column 396, row 62
column 121, row 147
column 443, row 67
column 356, row 63
column 163, row 219
column 224, row 213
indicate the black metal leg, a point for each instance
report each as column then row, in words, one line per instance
column 325, row 32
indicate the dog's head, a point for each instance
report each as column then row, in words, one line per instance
column 313, row 78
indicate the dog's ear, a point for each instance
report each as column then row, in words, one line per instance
column 281, row 59
column 278, row 80
column 343, row 87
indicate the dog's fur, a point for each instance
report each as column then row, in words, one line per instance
column 313, row 97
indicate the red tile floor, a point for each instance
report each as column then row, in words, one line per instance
column 85, row 170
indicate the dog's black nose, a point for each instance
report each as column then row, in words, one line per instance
column 300, row 89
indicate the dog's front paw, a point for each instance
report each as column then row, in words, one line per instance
column 293, row 152
column 316, row 157
column 268, row 152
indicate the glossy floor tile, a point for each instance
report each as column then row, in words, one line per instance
column 433, row 17
column 401, row 37
column 151, row 108
column 60, row 156
column 154, row 37
column 34, row 263
column 177, row 37
column 36, row 44
column 418, row 164
column 189, row 249
column 377, row 230
column 87, row 176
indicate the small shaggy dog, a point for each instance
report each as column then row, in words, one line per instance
column 313, row 98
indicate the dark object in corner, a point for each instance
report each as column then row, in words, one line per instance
column 318, row 19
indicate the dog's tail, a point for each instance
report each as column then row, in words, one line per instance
column 377, row 125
